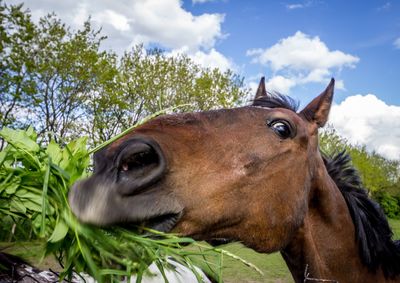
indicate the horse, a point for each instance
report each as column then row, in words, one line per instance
column 253, row 174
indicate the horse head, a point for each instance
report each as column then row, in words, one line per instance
column 242, row 174
column 253, row 174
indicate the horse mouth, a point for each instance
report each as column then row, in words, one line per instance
column 215, row 242
column 162, row 223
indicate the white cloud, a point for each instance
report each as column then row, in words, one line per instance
column 385, row 6
column 339, row 84
column 283, row 84
column 80, row 15
column 294, row 6
column 365, row 119
column 301, row 52
column 280, row 84
column 201, row 1
column 397, row 43
column 213, row 59
column 129, row 22
column 305, row 4
column 118, row 21
column 209, row 59
column 302, row 59
column 167, row 23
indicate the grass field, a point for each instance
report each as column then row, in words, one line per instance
column 272, row 265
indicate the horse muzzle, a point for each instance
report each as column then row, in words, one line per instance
column 129, row 191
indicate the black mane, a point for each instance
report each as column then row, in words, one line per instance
column 373, row 234
column 276, row 100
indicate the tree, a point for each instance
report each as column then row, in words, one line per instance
column 67, row 69
column 104, row 107
column 47, row 72
column 16, row 63
column 148, row 81
column 59, row 81
column 380, row 176
column 377, row 172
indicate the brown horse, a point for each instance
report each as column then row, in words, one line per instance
column 253, row 174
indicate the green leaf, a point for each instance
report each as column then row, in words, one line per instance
column 44, row 196
column 5, row 182
column 19, row 139
column 17, row 206
column 59, row 233
column 114, row 272
column 29, row 195
column 3, row 155
column 33, row 206
column 30, row 132
column 12, row 188
column 78, row 147
column 54, row 152
column 22, row 193
column 66, row 160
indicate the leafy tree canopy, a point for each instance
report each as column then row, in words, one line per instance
column 60, row 81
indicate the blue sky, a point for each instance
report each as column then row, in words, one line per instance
column 366, row 29
column 297, row 45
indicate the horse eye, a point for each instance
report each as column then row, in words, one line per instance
column 281, row 128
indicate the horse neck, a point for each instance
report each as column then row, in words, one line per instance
column 324, row 246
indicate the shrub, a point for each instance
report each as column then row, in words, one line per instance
column 389, row 204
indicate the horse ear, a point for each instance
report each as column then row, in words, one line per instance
column 317, row 111
column 261, row 89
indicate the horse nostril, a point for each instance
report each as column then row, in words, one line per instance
column 140, row 164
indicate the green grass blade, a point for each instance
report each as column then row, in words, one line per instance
column 97, row 148
column 221, row 264
column 44, row 198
